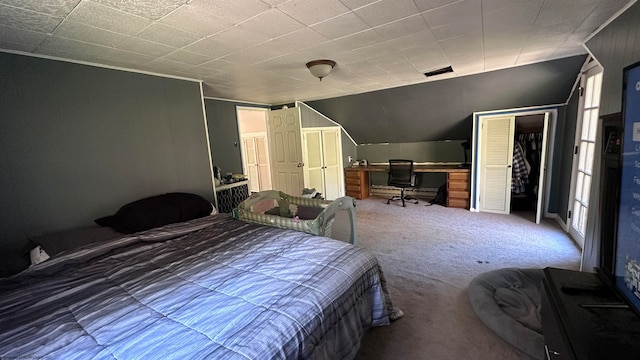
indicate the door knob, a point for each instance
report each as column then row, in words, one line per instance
column 300, row 164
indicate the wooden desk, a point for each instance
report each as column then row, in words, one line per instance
column 458, row 183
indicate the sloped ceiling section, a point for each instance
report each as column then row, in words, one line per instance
column 441, row 110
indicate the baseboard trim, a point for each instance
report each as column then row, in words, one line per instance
column 563, row 225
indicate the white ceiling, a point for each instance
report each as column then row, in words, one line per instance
column 255, row 51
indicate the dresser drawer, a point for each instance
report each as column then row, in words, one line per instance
column 458, row 190
column 351, row 174
column 353, row 181
column 459, row 176
column 458, row 203
column 458, row 185
column 458, row 194
column 357, row 183
column 353, row 188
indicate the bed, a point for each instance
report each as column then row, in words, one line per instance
column 213, row 287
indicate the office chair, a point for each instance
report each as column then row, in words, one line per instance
column 401, row 175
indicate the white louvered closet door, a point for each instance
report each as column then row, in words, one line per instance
column 251, row 166
column 262, row 162
column 323, row 159
column 332, row 153
column 256, row 161
column 313, row 174
column 497, row 138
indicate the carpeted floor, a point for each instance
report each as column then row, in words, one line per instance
column 429, row 255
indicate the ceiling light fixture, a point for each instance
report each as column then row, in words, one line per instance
column 321, row 68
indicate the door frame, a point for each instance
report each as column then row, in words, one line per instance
column 591, row 65
column 552, row 110
column 241, row 134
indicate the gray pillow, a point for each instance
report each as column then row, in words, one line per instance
column 58, row 242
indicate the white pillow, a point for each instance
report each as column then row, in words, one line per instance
column 38, row 255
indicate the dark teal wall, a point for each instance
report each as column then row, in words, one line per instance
column 441, row 110
column 77, row 142
column 562, row 161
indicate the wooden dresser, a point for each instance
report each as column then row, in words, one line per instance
column 458, row 190
column 357, row 183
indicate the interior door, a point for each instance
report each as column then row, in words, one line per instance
column 285, row 151
column 591, row 84
column 543, row 168
column 496, row 158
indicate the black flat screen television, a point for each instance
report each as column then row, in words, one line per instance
column 627, row 258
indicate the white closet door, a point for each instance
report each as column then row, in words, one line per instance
column 262, row 162
column 323, row 161
column 332, row 155
column 497, row 138
column 251, row 166
column 543, row 169
column 313, row 174
column 256, row 161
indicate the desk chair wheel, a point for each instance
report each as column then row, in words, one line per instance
column 406, row 198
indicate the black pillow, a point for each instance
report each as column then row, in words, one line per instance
column 157, row 211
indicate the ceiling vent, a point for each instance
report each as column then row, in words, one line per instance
column 444, row 70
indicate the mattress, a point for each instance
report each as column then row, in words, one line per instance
column 214, row 288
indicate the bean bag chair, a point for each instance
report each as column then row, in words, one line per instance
column 508, row 301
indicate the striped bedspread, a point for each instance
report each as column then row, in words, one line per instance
column 211, row 288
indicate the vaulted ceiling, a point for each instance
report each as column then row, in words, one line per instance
column 256, row 50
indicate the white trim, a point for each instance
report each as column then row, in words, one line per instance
column 577, row 141
column 206, row 133
column 521, row 111
column 239, row 102
column 553, row 109
column 111, row 67
column 576, row 83
column 337, row 124
column 610, row 20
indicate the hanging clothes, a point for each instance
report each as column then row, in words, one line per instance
column 520, row 174
column 532, row 146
